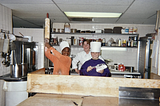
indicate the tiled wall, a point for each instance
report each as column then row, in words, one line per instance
column 5, row 24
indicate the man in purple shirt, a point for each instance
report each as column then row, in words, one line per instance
column 95, row 66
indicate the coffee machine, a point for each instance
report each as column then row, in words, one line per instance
column 22, row 58
column 18, row 53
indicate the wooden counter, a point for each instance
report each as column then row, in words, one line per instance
column 83, row 85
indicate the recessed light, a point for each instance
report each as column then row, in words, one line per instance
column 93, row 14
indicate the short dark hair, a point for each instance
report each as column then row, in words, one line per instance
column 86, row 40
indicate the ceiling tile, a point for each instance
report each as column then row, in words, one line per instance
column 33, row 7
column 33, row 12
column 38, row 14
column 91, row 8
column 25, row 1
column 101, row 2
column 23, row 23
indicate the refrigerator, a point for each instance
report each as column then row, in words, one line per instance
column 144, row 55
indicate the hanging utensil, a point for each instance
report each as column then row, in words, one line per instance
column 21, row 34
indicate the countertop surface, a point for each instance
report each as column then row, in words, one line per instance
column 77, row 100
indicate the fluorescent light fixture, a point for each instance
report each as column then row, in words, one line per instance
column 92, row 14
column 114, row 48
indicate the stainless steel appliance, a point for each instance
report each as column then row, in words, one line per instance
column 19, row 54
column 136, row 96
column 144, row 55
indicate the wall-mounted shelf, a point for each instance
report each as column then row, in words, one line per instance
column 94, row 34
column 116, row 34
column 102, row 47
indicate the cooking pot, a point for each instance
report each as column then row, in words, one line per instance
column 16, row 70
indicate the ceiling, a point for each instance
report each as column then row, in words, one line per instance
column 32, row 13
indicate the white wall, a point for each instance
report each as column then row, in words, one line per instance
column 5, row 18
column 128, row 57
column 36, row 33
column 5, row 24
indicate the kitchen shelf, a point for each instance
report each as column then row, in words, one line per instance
column 118, row 47
column 77, row 46
column 125, row 73
column 93, row 34
column 114, row 34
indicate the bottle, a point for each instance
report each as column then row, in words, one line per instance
column 123, row 30
column 129, row 43
column 124, row 43
column 119, row 42
column 75, row 41
column 103, row 42
column 131, row 30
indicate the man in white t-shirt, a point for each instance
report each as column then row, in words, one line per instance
column 83, row 56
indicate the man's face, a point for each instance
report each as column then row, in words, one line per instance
column 95, row 55
column 66, row 51
column 86, row 47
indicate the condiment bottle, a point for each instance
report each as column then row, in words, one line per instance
column 131, row 30
column 119, row 42
column 103, row 41
column 75, row 41
column 124, row 43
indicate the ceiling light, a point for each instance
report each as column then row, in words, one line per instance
column 92, row 14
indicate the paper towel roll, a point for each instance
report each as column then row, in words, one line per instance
column 47, row 28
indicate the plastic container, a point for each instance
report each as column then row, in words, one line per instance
column 15, row 92
column 131, row 30
column 126, row 30
column 121, row 67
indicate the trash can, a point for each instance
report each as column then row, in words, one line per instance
column 15, row 92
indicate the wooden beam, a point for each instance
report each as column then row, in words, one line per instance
column 84, row 85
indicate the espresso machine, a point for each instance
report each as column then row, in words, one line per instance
column 18, row 53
